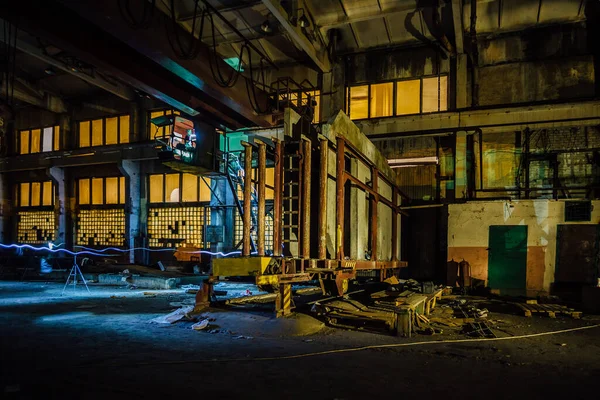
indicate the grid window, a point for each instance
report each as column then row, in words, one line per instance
column 101, row 227
column 177, row 226
column 35, row 227
column 39, row 140
column 413, row 96
column 35, row 194
column 104, row 131
column 238, row 232
column 177, row 188
column 101, row 191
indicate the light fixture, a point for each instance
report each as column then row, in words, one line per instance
column 50, row 71
column 303, row 21
column 266, row 27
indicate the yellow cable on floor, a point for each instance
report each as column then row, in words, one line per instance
column 377, row 346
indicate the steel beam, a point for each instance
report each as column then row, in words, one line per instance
column 277, row 200
column 306, row 184
column 339, row 198
column 246, row 217
column 37, row 98
column 323, row 178
column 262, row 177
column 319, row 57
column 499, row 119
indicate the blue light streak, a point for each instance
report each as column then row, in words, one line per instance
column 51, row 250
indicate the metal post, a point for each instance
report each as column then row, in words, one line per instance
column 339, row 198
column 247, row 220
column 278, row 176
column 324, row 152
column 374, row 202
column 395, row 224
column 306, row 172
column 262, row 172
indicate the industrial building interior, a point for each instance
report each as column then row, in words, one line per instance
column 327, row 198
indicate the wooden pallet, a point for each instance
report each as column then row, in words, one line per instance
column 548, row 309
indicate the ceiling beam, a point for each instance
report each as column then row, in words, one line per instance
column 319, row 57
column 457, row 9
column 116, row 88
column 27, row 92
column 346, row 20
column 223, row 9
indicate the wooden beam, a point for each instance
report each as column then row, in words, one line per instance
column 319, row 57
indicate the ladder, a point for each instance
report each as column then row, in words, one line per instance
column 292, row 198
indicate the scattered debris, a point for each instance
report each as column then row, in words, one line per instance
column 149, row 294
column 392, row 280
column 184, row 302
column 175, row 316
column 547, row 309
column 243, row 337
column 86, row 306
column 125, row 272
column 198, row 326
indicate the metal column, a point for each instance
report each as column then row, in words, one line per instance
column 339, row 198
column 262, row 172
column 278, row 176
column 247, row 217
column 324, row 152
column 394, row 224
column 374, row 202
column 306, row 179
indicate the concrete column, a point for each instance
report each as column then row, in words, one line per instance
column 66, row 132
column 333, row 92
column 222, row 216
column 133, row 190
column 137, row 123
column 62, row 206
column 461, row 81
column 5, row 210
column 460, row 165
column 357, row 207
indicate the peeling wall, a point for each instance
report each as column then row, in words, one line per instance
column 468, row 235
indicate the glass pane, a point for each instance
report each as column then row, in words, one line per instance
column 57, row 138
column 112, row 190
column 84, row 134
column 47, row 139
column 269, row 193
column 408, row 97
column 97, row 132
column 124, row 129
column 112, row 126
column 122, row 190
column 24, row 197
column 48, row 193
column 35, row 140
column 36, row 193
column 205, row 189
column 172, row 188
column 431, row 87
column 190, row 188
column 84, row 191
column 156, row 189
column 359, row 102
column 24, row 148
column 382, row 100
column 97, row 191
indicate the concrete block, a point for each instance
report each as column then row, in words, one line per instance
column 146, row 282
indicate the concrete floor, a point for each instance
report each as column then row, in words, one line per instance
column 102, row 346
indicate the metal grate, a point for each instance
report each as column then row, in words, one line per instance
column 35, row 227
column 176, row 226
column 101, row 227
column 578, row 211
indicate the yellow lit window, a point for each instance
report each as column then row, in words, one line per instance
column 124, row 129
column 97, row 134
column 24, row 148
column 84, row 134
column 35, row 141
column 190, row 188
column 48, row 190
column 97, row 191
column 172, row 188
column 57, row 138
column 205, row 189
column 157, row 188
column 112, row 190
column 24, row 195
column 36, row 194
column 382, row 100
column 84, row 191
column 270, row 193
column 112, row 130
column 359, row 102
column 408, row 97
column 122, row 190
column 435, row 94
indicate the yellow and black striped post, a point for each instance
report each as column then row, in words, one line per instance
column 284, row 300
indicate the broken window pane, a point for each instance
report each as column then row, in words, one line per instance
column 408, row 97
column 382, row 100
column 47, row 139
column 435, row 96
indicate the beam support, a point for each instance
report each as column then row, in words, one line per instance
column 246, row 218
column 133, row 190
column 41, row 99
column 62, row 205
column 319, row 57
column 262, row 177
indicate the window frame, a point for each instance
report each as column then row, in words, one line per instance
column 104, row 204
column 29, row 131
column 180, row 201
column 41, row 206
column 395, row 96
column 103, row 119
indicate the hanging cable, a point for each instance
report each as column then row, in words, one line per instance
column 131, row 20
column 9, row 61
column 192, row 49
column 233, row 77
column 251, row 87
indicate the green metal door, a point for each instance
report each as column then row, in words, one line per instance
column 507, row 257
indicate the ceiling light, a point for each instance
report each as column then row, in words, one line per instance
column 303, row 22
column 266, row 27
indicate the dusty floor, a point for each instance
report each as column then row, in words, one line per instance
column 103, row 346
